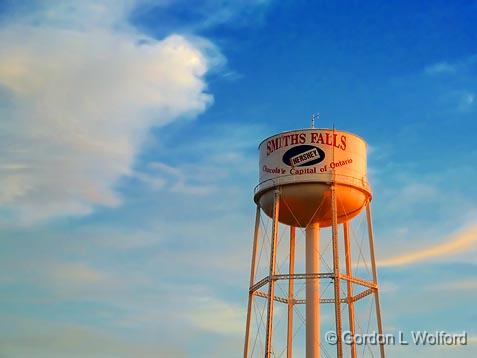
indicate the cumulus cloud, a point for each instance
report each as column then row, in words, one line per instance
column 460, row 242
column 79, row 90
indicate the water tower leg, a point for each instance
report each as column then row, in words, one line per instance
column 291, row 271
column 349, row 286
column 312, row 291
column 253, row 271
column 272, row 271
column 375, row 276
column 336, row 272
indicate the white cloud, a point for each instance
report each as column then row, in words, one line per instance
column 214, row 315
column 207, row 14
column 444, row 67
column 414, row 192
column 439, row 68
column 64, row 279
column 80, row 90
column 459, row 285
column 177, row 180
column 466, row 101
column 47, row 339
column 460, row 95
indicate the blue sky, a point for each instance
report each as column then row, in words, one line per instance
column 129, row 132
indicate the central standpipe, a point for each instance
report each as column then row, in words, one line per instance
column 313, row 291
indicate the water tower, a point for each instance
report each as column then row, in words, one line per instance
column 312, row 180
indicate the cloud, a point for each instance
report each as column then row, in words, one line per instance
column 214, row 315
column 79, row 91
column 43, row 338
column 464, row 285
column 457, row 243
column 64, row 279
column 411, row 193
column 176, row 178
column 221, row 154
column 77, row 279
column 206, row 14
column 440, row 68
column 464, row 65
column 451, row 86
column 466, row 101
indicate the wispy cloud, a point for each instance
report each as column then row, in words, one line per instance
column 412, row 193
column 467, row 101
column 440, row 68
column 63, row 279
column 206, row 14
column 452, row 84
column 177, row 180
column 447, row 67
column 47, row 339
column 80, row 89
column 454, row 244
column 211, row 314
column 464, row 285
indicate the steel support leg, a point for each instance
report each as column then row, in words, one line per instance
column 253, row 271
column 291, row 271
column 349, row 286
column 271, row 285
column 313, row 291
column 336, row 271
column 375, row 275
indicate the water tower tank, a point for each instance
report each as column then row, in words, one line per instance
column 304, row 163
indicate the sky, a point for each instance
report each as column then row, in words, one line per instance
column 128, row 140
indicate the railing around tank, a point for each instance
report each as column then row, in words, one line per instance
column 327, row 178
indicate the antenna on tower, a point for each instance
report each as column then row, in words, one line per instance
column 313, row 117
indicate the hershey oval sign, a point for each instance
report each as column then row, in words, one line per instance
column 303, row 155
